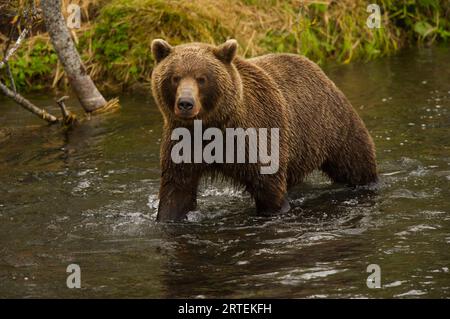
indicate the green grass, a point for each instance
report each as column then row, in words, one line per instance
column 30, row 67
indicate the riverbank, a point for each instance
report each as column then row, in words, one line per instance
column 115, row 36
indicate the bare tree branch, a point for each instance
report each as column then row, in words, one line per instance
column 68, row 118
column 62, row 105
column 11, row 78
column 43, row 114
column 13, row 48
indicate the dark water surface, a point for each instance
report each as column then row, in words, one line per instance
column 88, row 196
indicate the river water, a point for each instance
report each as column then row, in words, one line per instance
column 88, row 196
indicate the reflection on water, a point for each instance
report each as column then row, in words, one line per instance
column 89, row 196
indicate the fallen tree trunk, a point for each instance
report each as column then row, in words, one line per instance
column 88, row 94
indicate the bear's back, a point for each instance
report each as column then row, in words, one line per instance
column 320, row 113
column 299, row 79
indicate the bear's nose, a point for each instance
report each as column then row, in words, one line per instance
column 185, row 103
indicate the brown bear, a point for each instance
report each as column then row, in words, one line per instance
column 318, row 128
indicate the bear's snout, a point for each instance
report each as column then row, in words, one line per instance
column 187, row 104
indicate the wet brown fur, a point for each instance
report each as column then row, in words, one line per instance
column 319, row 129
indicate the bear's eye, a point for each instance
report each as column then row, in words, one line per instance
column 201, row 80
column 175, row 79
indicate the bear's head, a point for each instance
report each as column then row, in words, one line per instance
column 195, row 81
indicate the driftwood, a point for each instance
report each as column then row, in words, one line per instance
column 90, row 98
column 67, row 117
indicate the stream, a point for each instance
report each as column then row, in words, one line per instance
column 88, row 196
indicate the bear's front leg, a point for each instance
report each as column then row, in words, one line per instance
column 271, row 195
column 177, row 196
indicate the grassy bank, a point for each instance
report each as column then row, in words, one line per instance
column 115, row 37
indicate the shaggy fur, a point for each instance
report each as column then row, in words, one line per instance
column 318, row 127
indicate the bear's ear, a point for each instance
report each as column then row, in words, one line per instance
column 226, row 51
column 160, row 49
